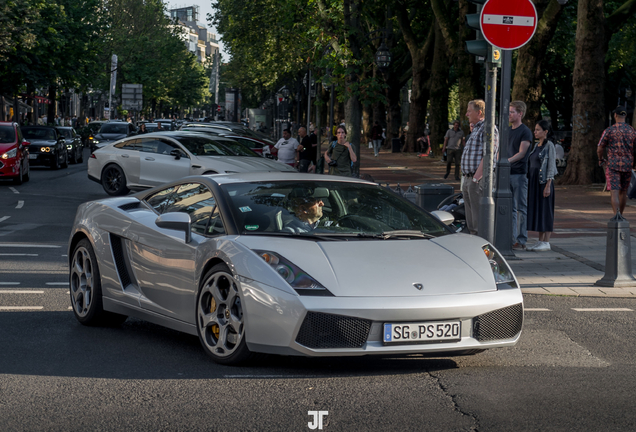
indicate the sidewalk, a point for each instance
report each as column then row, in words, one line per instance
column 577, row 259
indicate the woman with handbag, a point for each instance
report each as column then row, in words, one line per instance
column 340, row 154
column 541, row 172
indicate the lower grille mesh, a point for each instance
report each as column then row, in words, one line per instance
column 321, row 330
column 500, row 324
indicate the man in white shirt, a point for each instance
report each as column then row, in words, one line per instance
column 288, row 149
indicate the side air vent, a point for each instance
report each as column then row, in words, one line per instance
column 119, row 255
column 499, row 324
column 130, row 206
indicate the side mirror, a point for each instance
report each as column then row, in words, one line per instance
column 176, row 153
column 176, row 221
column 443, row 216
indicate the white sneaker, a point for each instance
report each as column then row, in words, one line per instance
column 543, row 247
column 533, row 246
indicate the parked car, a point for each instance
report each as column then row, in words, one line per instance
column 113, row 131
column 47, row 147
column 291, row 264
column 167, row 124
column 14, row 153
column 259, row 147
column 152, row 159
column 73, row 144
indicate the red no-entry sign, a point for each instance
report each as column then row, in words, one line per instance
column 508, row 24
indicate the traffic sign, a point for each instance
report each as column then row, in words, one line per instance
column 508, row 24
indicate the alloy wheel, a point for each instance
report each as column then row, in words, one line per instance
column 220, row 315
column 82, row 281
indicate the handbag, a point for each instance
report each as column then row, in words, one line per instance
column 631, row 190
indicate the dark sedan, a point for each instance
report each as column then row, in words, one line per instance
column 47, row 148
column 73, row 144
column 113, row 131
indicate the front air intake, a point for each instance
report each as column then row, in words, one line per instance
column 503, row 323
column 321, row 330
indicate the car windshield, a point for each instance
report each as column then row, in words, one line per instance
column 7, row 134
column 38, row 133
column 241, row 149
column 328, row 209
column 203, row 146
column 66, row 133
column 152, row 127
column 114, row 129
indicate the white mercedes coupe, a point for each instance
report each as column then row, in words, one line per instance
column 144, row 161
column 291, row 264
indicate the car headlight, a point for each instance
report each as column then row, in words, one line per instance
column 69, row 146
column 11, row 153
column 500, row 269
column 299, row 280
column 45, row 149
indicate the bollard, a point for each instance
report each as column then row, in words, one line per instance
column 618, row 255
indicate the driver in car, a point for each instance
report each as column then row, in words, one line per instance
column 308, row 212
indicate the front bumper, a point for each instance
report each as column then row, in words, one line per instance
column 281, row 323
column 42, row 159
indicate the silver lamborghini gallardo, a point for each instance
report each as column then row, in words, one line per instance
column 291, row 264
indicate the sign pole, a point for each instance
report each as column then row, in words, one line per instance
column 503, row 194
column 486, row 202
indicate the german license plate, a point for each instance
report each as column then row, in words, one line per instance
column 33, row 156
column 422, row 332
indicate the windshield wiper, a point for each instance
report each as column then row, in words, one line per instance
column 306, row 236
column 398, row 234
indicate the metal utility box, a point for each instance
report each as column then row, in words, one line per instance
column 430, row 195
column 396, row 145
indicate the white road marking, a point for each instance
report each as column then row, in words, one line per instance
column 28, row 245
column 57, row 283
column 9, row 308
column 20, row 204
column 9, row 283
column 14, row 190
column 537, row 309
column 20, row 292
column 4, row 218
column 70, row 308
column 4, row 254
column 602, row 309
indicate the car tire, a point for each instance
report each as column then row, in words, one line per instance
column 220, row 317
column 80, row 159
column 65, row 163
column 73, row 159
column 114, row 180
column 56, row 163
column 20, row 178
column 86, row 289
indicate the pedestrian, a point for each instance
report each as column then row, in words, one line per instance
column 142, row 129
column 424, row 142
column 307, row 149
column 541, row 172
column 287, row 149
column 618, row 142
column 519, row 139
column 376, row 137
column 454, row 142
column 340, row 154
column 472, row 162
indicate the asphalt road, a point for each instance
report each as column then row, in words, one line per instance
column 573, row 369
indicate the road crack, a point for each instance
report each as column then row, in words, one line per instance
column 453, row 400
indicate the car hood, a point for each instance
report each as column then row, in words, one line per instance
column 5, row 147
column 109, row 136
column 240, row 164
column 452, row 264
column 41, row 142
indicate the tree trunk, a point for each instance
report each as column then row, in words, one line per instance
column 50, row 115
column 367, row 116
column 528, row 74
column 439, row 93
column 589, row 86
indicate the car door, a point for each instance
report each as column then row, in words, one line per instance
column 127, row 156
column 158, row 166
column 163, row 262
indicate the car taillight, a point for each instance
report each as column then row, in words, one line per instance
column 93, row 156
